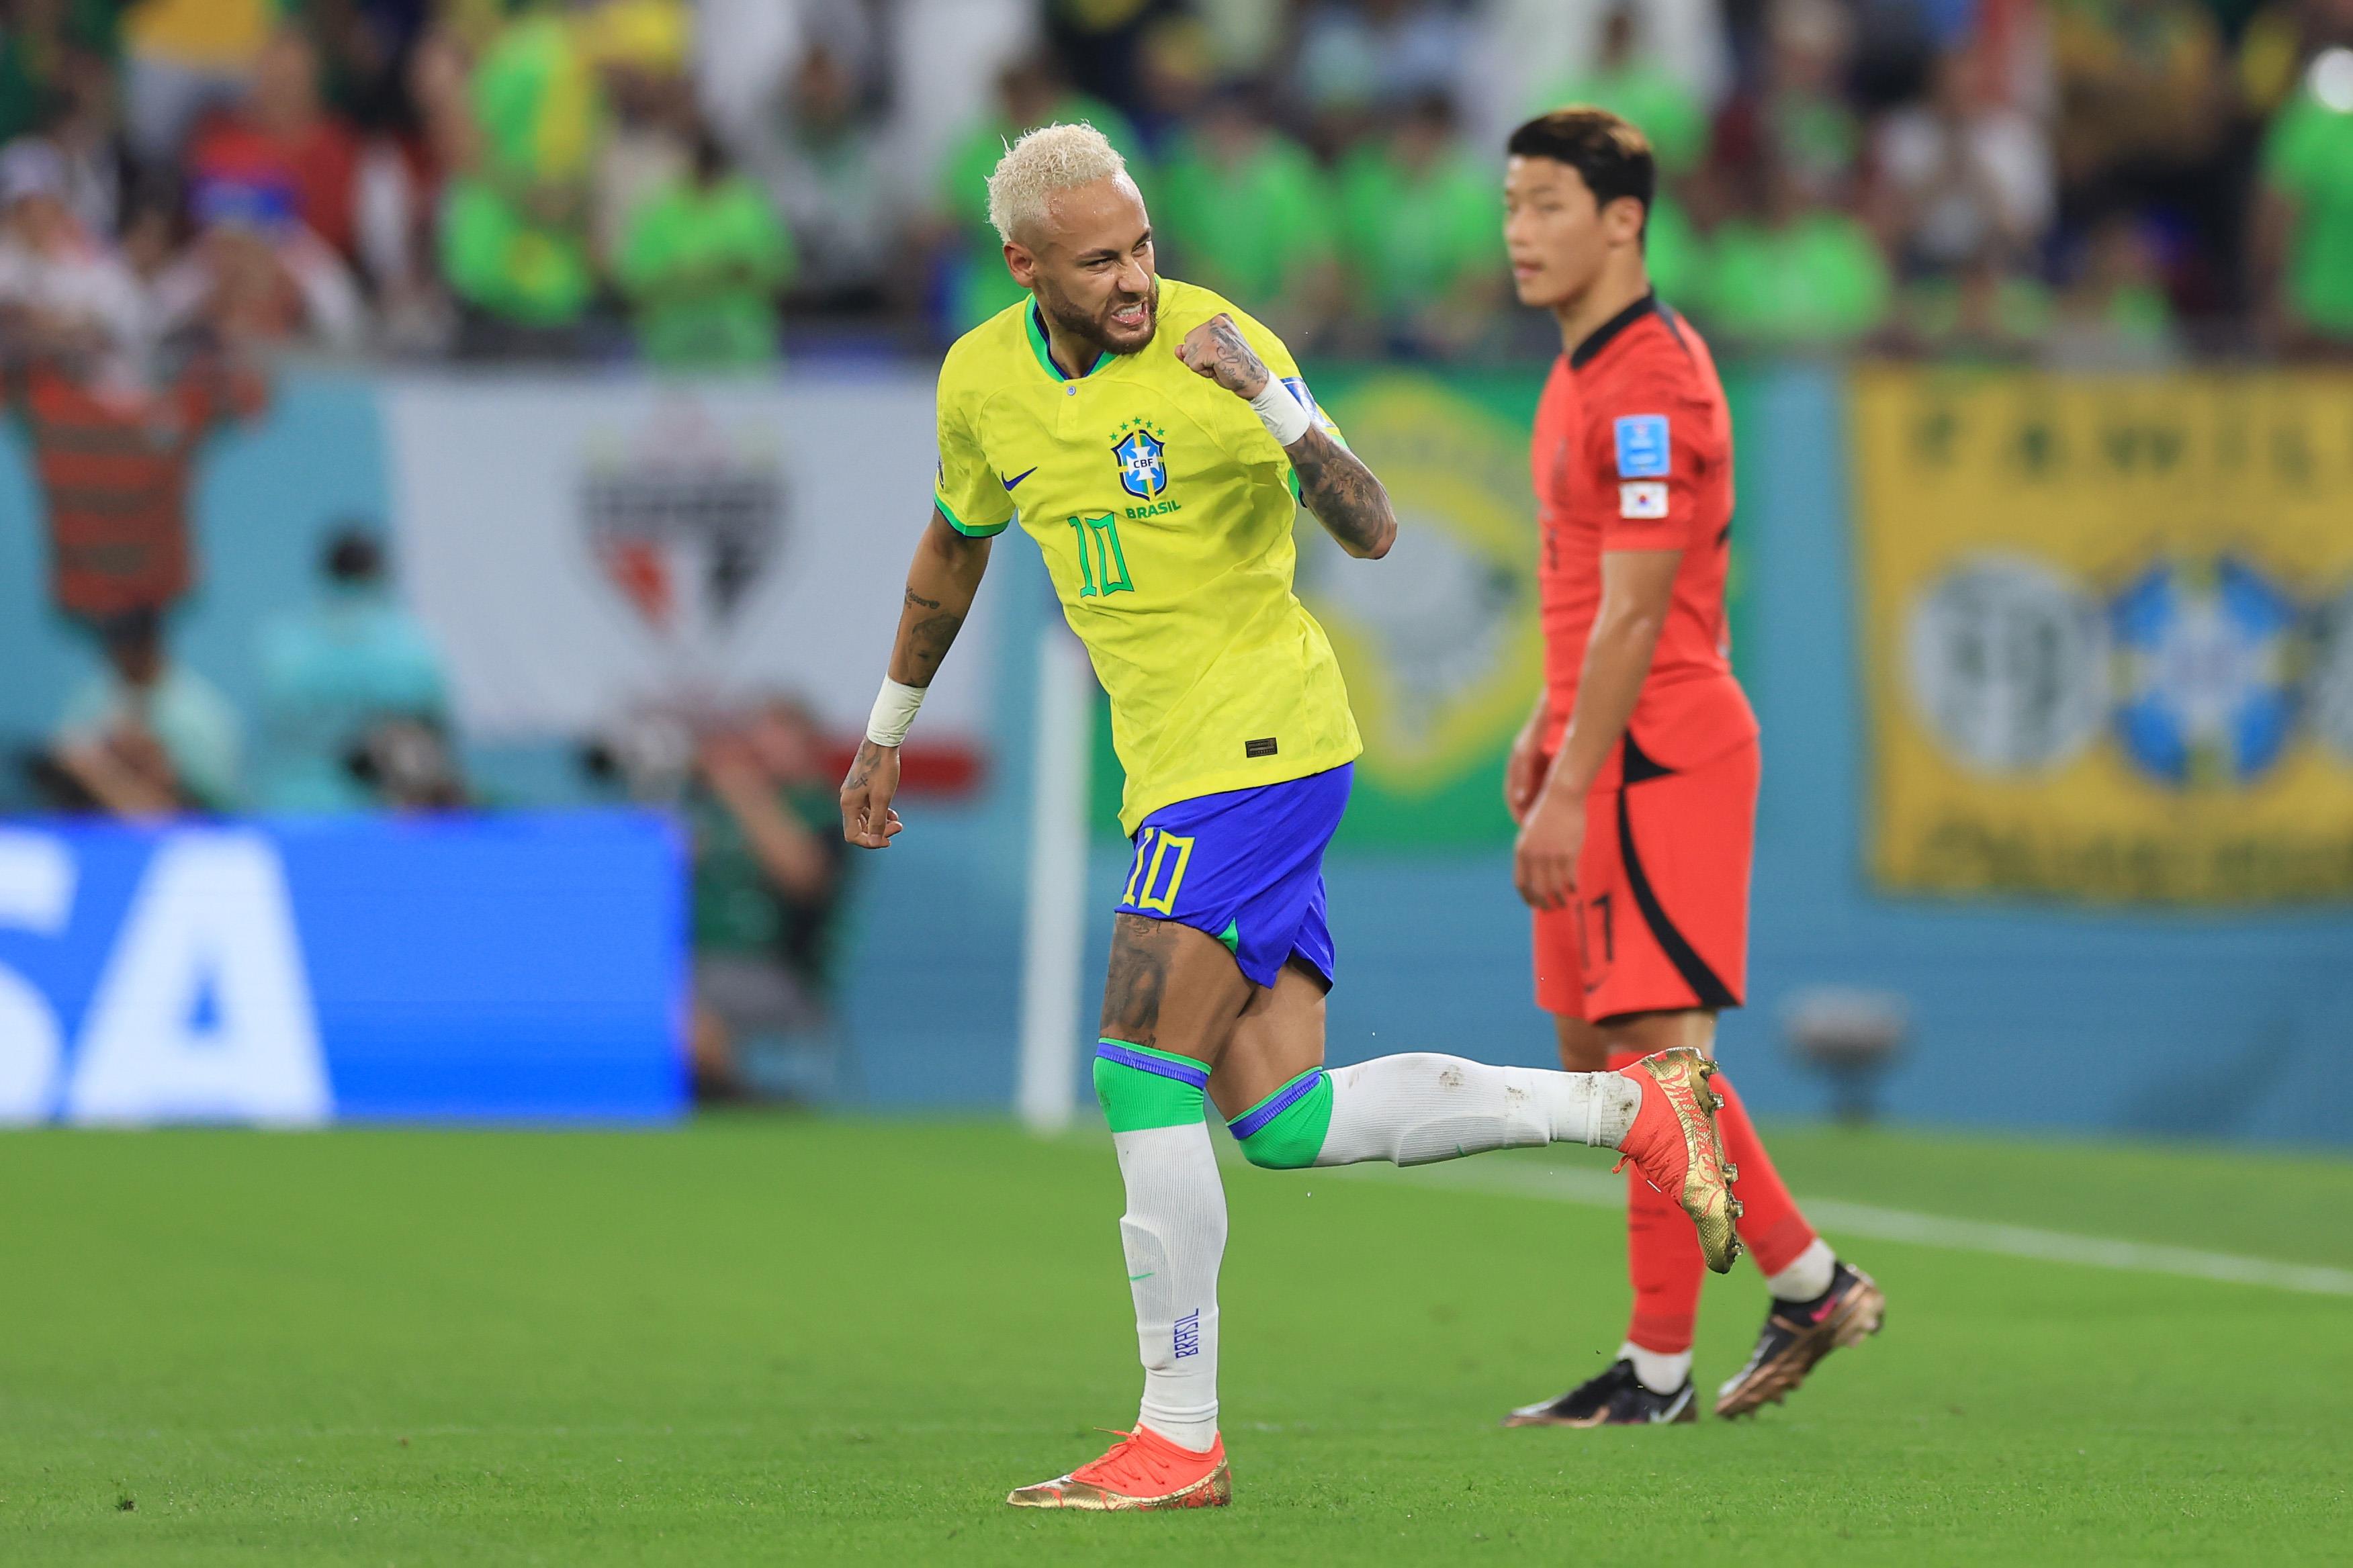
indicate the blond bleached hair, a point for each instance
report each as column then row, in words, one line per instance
column 1048, row 158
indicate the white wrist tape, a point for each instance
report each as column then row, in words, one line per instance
column 1285, row 417
column 894, row 712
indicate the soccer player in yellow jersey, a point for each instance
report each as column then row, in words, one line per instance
column 1152, row 439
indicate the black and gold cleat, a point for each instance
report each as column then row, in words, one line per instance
column 1615, row 1398
column 1798, row 1334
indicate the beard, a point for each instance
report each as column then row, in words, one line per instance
column 1096, row 331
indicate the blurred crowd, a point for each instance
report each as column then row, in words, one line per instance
column 2104, row 180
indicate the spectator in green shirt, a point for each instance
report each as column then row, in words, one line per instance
column 770, row 871
column 1674, row 251
column 1986, row 312
column 1030, row 92
column 2304, row 238
column 1798, row 272
column 1241, row 208
column 2115, row 313
column 703, row 259
column 514, row 231
column 1632, row 85
column 1422, row 232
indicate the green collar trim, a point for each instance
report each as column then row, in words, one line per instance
column 1037, row 325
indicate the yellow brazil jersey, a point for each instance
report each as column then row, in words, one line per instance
column 1165, row 512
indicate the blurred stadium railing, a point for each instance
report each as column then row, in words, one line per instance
column 2056, row 675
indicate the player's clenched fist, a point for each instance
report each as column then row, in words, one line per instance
column 867, row 819
column 1216, row 350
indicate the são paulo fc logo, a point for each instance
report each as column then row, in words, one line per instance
column 1142, row 461
column 684, row 514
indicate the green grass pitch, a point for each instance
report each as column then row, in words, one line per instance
column 778, row 1341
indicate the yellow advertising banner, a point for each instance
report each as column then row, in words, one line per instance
column 2107, row 634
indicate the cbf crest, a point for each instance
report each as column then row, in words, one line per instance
column 1142, row 450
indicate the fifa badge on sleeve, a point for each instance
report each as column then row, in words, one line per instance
column 1642, row 447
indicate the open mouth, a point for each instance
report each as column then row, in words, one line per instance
column 1133, row 318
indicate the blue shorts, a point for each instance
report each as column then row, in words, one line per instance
column 1246, row 867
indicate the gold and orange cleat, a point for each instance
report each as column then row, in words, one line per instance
column 1143, row 1470
column 1674, row 1146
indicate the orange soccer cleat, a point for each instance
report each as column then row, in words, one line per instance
column 1674, row 1146
column 1142, row 1470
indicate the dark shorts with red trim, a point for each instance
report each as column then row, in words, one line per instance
column 1660, row 922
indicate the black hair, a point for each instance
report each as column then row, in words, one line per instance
column 1608, row 154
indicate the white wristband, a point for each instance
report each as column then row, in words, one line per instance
column 894, row 712
column 1286, row 419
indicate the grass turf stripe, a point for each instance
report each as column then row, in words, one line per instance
column 1841, row 1218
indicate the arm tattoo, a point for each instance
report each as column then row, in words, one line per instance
column 861, row 766
column 928, row 641
column 1238, row 365
column 1343, row 495
column 950, row 565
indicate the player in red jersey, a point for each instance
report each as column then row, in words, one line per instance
column 1634, row 782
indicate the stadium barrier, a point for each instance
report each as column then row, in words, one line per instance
column 511, row 968
column 1975, row 613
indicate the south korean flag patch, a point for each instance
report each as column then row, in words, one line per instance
column 1643, row 499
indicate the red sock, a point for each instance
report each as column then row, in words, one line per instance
column 1662, row 1259
column 1662, row 1249
column 1769, row 1221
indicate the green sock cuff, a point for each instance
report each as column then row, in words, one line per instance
column 1141, row 1087
column 1286, row 1130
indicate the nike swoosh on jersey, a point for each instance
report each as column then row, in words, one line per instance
column 1019, row 477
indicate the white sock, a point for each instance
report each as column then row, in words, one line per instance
column 1174, row 1233
column 1658, row 1371
column 1806, row 1279
column 1414, row 1109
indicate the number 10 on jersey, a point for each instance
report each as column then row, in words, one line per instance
column 1102, row 566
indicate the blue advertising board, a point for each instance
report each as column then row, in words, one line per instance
column 523, row 968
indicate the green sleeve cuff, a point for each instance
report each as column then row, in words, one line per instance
column 984, row 531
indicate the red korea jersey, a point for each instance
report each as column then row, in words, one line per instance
column 1633, row 451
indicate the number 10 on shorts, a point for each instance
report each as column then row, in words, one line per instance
column 1155, row 853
